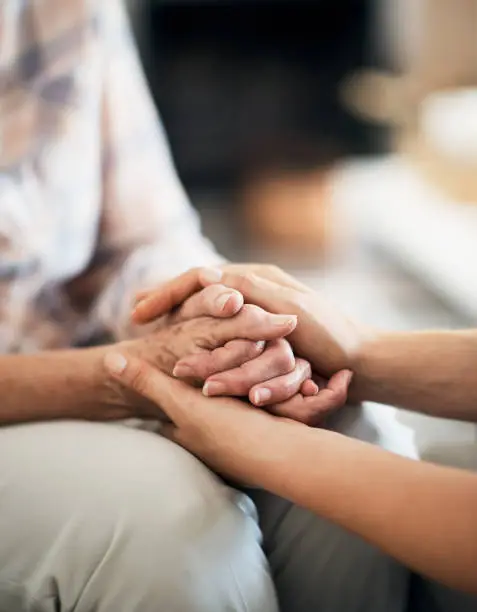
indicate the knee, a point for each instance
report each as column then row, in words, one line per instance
column 123, row 520
column 166, row 534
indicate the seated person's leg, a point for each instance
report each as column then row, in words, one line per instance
column 106, row 518
column 317, row 566
column 429, row 596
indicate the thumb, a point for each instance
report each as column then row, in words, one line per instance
column 152, row 304
column 139, row 376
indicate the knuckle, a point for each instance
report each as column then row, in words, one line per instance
column 287, row 388
column 253, row 349
column 271, row 270
column 215, row 290
column 305, row 368
column 253, row 313
column 248, row 309
column 247, row 282
column 138, row 377
column 194, row 270
column 206, row 296
column 284, row 358
column 201, row 364
column 235, row 386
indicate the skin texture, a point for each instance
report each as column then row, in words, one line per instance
column 250, row 363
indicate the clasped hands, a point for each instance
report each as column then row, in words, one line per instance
column 206, row 335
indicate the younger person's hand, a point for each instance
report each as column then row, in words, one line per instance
column 298, row 395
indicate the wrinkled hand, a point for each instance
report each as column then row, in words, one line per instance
column 250, row 362
column 249, row 343
column 204, row 334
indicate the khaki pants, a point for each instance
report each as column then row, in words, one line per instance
column 106, row 518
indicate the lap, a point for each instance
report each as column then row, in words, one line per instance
column 94, row 514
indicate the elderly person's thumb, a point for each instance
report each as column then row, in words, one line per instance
column 139, row 376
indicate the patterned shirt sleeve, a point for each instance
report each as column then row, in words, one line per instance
column 148, row 232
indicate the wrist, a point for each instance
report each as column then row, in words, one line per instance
column 152, row 350
column 363, row 364
column 114, row 402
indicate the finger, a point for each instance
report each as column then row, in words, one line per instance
column 309, row 387
column 270, row 272
column 276, row 360
column 144, row 293
column 252, row 323
column 200, row 366
column 281, row 388
column 213, row 301
column 169, row 295
column 255, row 289
column 149, row 382
column 311, row 410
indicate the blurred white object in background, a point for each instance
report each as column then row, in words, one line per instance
column 403, row 221
column 448, row 121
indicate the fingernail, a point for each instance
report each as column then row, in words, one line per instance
column 222, row 300
column 314, row 388
column 213, row 388
column 282, row 320
column 348, row 376
column 115, row 363
column 211, row 275
column 140, row 306
column 182, row 371
column 261, row 396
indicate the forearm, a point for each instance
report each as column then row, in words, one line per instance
column 58, row 385
column 430, row 372
column 422, row 515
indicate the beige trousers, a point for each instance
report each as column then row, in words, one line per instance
column 104, row 518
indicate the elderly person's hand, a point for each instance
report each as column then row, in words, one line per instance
column 222, row 335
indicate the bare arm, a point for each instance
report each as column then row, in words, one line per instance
column 430, row 372
column 423, row 515
column 57, row 384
